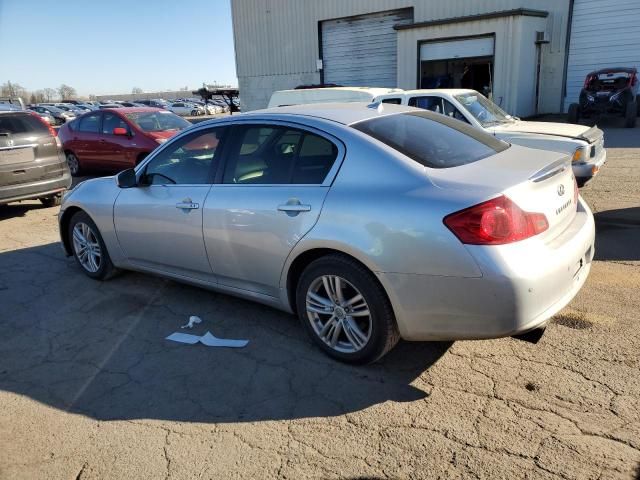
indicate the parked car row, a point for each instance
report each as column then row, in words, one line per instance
column 583, row 144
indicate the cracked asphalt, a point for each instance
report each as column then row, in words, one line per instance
column 89, row 388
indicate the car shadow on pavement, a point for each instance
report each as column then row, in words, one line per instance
column 18, row 209
column 618, row 235
column 99, row 349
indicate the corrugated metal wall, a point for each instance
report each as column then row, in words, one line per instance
column 276, row 41
column 603, row 34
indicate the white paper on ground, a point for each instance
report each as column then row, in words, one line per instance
column 192, row 320
column 207, row 339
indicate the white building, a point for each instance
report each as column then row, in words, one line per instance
column 531, row 55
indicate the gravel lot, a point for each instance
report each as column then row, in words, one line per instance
column 89, row 388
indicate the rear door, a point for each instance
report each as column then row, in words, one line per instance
column 270, row 195
column 86, row 138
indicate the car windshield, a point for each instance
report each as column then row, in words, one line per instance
column 431, row 139
column 157, row 121
column 53, row 109
column 483, row 109
column 608, row 81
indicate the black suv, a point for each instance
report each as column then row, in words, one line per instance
column 32, row 164
column 610, row 90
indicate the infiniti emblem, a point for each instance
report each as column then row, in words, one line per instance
column 560, row 189
column 9, row 143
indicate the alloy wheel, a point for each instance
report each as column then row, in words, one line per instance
column 72, row 161
column 86, row 247
column 339, row 314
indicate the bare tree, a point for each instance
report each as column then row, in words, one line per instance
column 92, row 97
column 9, row 89
column 136, row 91
column 49, row 94
column 66, row 92
column 39, row 96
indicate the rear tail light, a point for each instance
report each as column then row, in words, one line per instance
column 496, row 222
column 52, row 130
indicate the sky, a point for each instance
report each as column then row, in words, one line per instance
column 106, row 47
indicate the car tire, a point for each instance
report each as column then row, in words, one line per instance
column 631, row 114
column 74, row 164
column 52, row 201
column 574, row 113
column 361, row 338
column 97, row 267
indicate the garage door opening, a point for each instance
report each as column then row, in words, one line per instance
column 466, row 63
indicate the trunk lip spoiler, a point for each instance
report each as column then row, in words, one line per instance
column 551, row 170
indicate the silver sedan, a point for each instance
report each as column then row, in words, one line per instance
column 371, row 223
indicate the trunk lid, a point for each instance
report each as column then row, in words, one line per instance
column 537, row 181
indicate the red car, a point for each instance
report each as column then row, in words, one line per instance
column 116, row 139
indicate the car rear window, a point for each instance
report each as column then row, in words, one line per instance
column 435, row 141
column 17, row 123
column 157, row 121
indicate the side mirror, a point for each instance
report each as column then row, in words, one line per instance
column 120, row 131
column 127, row 178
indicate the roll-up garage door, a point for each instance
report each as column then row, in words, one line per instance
column 362, row 50
column 603, row 34
column 449, row 49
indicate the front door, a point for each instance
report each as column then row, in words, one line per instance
column 86, row 139
column 159, row 222
column 116, row 151
column 271, row 193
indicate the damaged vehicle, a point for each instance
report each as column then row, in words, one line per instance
column 610, row 91
column 351, row 217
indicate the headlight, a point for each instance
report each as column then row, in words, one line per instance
column 615, row 97
column 590, row 98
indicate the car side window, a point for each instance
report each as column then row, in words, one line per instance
column 111, row 121
column 192, row 160
column 90, row 123
column 278, row 155
column 394, row 101
column 433, row 104
column 451, row 111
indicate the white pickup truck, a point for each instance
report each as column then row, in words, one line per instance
column 585, row 145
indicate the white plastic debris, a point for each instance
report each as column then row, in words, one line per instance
column 192, row 321
column 207, row 339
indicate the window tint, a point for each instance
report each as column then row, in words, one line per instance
column 21, row 123
column 188, row 161
column 394, row 101
column 90, row 123
column 111, row 121
column 278, row 155
column 433, row 104
column 433, row 140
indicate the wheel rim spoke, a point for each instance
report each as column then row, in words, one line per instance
column 334, row 318
column 86, row 247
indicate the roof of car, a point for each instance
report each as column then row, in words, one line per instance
column 614, row 69
column 345, row 113
column 133, row 109
column 451, row 91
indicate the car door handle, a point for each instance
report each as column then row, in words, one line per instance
column 187, row 205
column 296, row 207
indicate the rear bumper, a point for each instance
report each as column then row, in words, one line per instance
column 42, row 188
column 523, row 285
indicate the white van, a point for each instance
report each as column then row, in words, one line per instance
column 285, row 98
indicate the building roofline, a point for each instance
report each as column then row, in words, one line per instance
column 524, row 12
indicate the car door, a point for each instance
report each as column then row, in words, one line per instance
column 270, row 194
column 159, row 222
column 86, row 137
column 117, row 151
